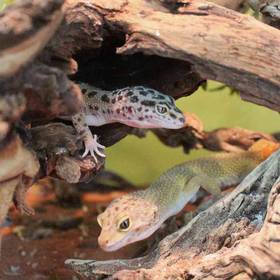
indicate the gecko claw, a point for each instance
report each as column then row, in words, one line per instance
column 92, row 147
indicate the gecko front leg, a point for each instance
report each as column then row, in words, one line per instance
column 19, row 196
column 90, row 141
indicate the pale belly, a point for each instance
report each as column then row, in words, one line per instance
column 95, row 121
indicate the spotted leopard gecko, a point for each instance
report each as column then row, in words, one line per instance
column 135, row 106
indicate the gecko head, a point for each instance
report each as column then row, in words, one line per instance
column 153, row 109
column 126, row 220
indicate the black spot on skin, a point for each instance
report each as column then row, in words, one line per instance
column 182, row 120
column 173, row 116
column 150, row 91
column 105, row 98
column 148, row 103
column 90, row 107
column 96, row 108
column 124, row 114
column 129, row 93
column 103, row 111
column 84, row 90
column 108, row 111
column 92, row 93
column 159, row 97
column 177, row 110
column 140, row 118
column 144, row 93
column 146, row 117
column 114, row 100
column 78, row 119
column 129, row 109
column 139, row 109
column 167, row 104
column 120, row 97
column 170, row 99
column 147, row 110
column 118, row 111
column 134, row 99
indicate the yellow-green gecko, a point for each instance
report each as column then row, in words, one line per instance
column 136, row 106
column 138, row 215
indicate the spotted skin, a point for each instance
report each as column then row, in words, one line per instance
column 136, row 106
column 145, row 210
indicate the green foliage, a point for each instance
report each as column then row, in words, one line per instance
column 5, row 3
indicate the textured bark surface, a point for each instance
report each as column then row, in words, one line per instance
column 25, row 30
column 230, row 4
column 237, row 236
column 222, row 53
column 269, row 9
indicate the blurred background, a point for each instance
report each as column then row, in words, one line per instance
column 142, row 160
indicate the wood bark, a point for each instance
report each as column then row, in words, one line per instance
column 226, row 52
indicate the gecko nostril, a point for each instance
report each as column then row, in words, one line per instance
column 106, row 241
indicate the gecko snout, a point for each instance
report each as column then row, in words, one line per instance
column 103, row 243
column 107, row 246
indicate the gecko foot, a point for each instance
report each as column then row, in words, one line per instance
column 19, row 197
column 22, row 206
column 92, row 147
column 25, row 209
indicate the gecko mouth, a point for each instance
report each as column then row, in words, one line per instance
column 110, row 247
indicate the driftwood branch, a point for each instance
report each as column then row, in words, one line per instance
column 227, row 239
column 25, row 30
column 222, row 53
column 231, row 4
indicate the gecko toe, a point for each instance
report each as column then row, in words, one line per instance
column 100, row 146
column 93, row 155
column 85, row 152
column 25, row 209
column 99, row 153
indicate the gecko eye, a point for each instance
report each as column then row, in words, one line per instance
column 124, row 224
column 161, row 109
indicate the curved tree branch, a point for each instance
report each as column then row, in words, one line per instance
column 222, row 52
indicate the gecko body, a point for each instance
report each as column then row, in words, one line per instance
column 136, row 216
column 136, row 106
